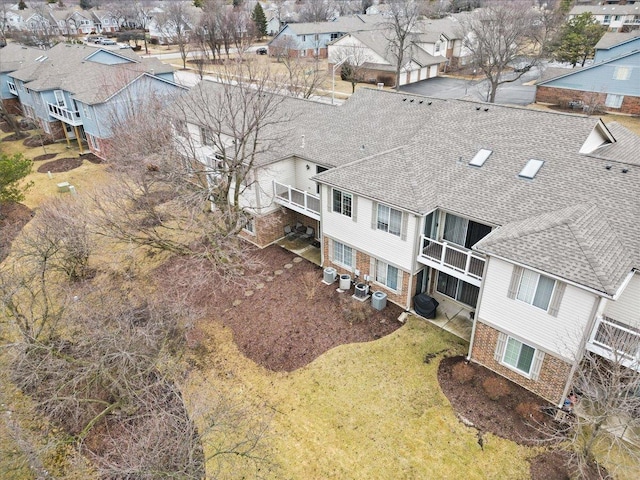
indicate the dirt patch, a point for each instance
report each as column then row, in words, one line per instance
column 282, row 315
column 550, row 466
column 60, row 165
column 13, row 216
column 46, row 156
column 4, row 127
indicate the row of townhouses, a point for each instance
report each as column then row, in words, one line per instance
column 75, row 92
column 527, row 220
column 616, row 17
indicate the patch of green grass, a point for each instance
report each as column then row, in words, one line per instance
column 365, row 411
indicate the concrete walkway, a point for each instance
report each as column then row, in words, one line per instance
column 452, row 317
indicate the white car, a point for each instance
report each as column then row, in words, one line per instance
column 106, row 41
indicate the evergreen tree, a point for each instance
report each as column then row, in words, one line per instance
column 86, row 4
column 12, row 170
column 260, row 20
column 198, row 3
column 577, row 39
column 22, row 5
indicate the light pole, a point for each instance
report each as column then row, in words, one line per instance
column 333, row 76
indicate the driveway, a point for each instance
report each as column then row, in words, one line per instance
column 515, row 93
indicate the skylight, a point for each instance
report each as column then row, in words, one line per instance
column 530, row 170
column 480, row 157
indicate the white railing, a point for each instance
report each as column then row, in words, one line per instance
column 12, row 88
column 69, row 116
column 297, row 200
column 617, row 341
column 452, row 256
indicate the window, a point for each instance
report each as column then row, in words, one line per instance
column 389, row 220
column 607, row 19
column 206, row 136
column 535, row 289
column 437, row 49
column 617, row 18
column 59, row 94
column 181, row 128
column 457, row 289
column 250, row 225
column 304, row 38
column 614, row 101
column 342, row 202
column 342, row 254
column 464, row 232
column 386, row 275
column 319, row 169
column 87, row 113
column 334, row 36
column 622, row 73
column 93, row 143
column 518, row 355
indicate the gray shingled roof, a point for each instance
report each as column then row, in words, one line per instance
column 592, row 254
column 607, row 9
column 612, row 39
column 69, row 67
column 412, row 152
column 14, row 56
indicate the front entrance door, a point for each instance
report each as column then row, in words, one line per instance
column 422, row 279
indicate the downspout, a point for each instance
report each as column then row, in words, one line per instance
column 596, row 311
column 477, row 315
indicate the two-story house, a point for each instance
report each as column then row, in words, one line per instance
column 527, row 220
column 75, row 91
column 611, row 83
column 14, row 56
column 617, row 18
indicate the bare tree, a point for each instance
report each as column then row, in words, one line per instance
column 304, row 76
column 317, row 11
column 401, row 21
column 355, row 58
column 497, row 36
column 176, row 24
column 209, row 30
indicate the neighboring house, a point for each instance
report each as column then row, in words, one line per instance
column 373, row 55
column 311, row 39
column 12, row 58
column 611, row 83
column 527, row 221
column 75, row 91
column 72, row 22
column 617, row 18
column 162, row 27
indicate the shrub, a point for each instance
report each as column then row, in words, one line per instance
column 530, row 411
column 462, row 372
column 310, row 281
column 354, row 311
column 496, row 387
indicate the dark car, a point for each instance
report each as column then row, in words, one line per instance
column 522, row 68
column 262, row 51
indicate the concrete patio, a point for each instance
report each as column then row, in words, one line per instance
column 452, row 317
column 301, row 247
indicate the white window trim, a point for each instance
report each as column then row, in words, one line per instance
column 374, row 276
column 338, row 262
column 535, row 290
column 614, row 101
column 388, row 230
column 516, row 369
column 536, row 361
column 252, row 230
column 341, row 211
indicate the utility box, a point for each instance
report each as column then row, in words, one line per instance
column 379, row 300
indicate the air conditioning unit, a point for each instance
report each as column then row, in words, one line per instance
column 362, row 291
column 330, row 275
column 345, row 282
column 379, row 300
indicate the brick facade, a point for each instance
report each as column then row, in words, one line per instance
column 363, row 264
column 553, row 374
column 562, row 97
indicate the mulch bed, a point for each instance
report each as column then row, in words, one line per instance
column 278, row 326
column 13, row 137
column 4, row 127
column 46, row 156
column 91, row 158
column 38, row 141
column 60, row 165
column 13, row 216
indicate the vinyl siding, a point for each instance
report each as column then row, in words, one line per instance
column 626, row 309
column 345, row 45
column 560, row 335
column 377, row 243
column 283, row 172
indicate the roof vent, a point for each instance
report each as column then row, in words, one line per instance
column 421, row 102
column 478, row 107
column 625, row 170
column 480, row 157
column 531, row 169
column 486, row 109
column 429, row 103
column 404, row 99
column 411, row 101
column 302, row 144
column 608, row 167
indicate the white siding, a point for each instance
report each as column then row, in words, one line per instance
column 626, row 309
column 349, row 45
column 560, row 335
column 382, row 245
column 283, row 172
column 303, row 176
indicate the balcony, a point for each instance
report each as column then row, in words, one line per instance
column 616, row 341
column 12, row 88
column 452, row 259
column 72, row 117
column 297, row 200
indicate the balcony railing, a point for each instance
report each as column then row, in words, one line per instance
column 617, row 341
column 468, row 265
column 12, row 88
column 297, row 200
column 71, row 117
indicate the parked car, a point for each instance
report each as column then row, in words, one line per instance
column 107, row 41
column 262, row 51
column 95, row 39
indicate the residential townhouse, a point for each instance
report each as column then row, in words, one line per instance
column 617, row 18
column 74, row 92
column 611, row 82
column 526, row 220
